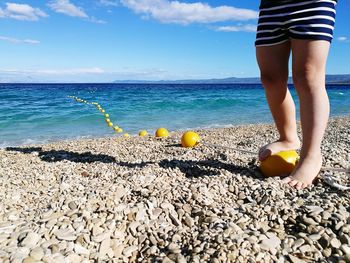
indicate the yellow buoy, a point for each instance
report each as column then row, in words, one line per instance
column 107, row 120
column 116, row 128
column 279, row 163
column 119, row 130
column 107, row 115
column 162, row 132
column 126, row 135
column 103, row 111
column 143, row 133
column 189, row 139
column 110, row 124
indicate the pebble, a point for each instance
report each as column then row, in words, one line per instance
column 105, row 246
column 294, row 259
column 72, row 205
column 347, row 258
column 29, row 260
column 79, row 249
column 335, row 243
column 327, row 252
column 74, row 258
column 65, row 234
column 189, row 221
column 37, row 253
column 313, row 209
column 129, row 250
column 345, row 239
column 30, row 240
column 271, row 242
column 315, row 237
column 345, row 249
column 305, row 248
column 99, row 238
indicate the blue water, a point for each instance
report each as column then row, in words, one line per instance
column 39, row 113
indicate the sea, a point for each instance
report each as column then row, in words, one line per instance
column 41, row 113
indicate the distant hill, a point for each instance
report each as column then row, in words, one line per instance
column 338, row 79
column 330, row 79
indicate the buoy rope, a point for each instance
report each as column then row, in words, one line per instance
column 116, row 128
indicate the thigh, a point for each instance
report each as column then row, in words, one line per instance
column 309, row 59
column 273, row 61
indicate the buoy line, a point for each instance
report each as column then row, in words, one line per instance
column 116, row 128
column 160, row 133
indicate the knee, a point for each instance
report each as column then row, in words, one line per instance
column 269, row 79
column 307, row 77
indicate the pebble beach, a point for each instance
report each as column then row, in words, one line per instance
column 143, row 199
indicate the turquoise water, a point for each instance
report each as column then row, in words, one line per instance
column 39, row 113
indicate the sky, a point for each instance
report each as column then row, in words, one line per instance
column 107, row 40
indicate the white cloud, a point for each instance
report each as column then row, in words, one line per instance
column 67, row 8
column 186, row 13
column 19, row 41
column 342, row 39
column 94, row 74
column 22, row 12
column 97, row 21
column 245, row 28
column 109, row 2
column 73, row 71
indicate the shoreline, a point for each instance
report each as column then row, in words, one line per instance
column 198, row 129
column 148, row 199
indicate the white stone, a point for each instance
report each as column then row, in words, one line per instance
column 30, row 240
column 79, row 249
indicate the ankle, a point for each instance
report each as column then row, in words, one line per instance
column 291, row 141
column 313, row 155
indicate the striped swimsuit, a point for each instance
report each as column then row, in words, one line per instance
column 280, row 21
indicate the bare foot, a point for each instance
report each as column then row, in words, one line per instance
column 305, row 172
column 276, row 147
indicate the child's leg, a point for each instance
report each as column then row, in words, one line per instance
column 273, row 63
column 309, row 63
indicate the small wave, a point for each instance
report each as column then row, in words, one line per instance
column 40, row 141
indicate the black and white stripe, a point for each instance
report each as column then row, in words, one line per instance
column 313, row 19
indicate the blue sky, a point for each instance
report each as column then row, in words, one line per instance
column 106, row 40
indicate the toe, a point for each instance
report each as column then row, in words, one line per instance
column 293, row 183
column 286, row 180
column 299, row 185
column 307, row 185
column 264, row 153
